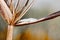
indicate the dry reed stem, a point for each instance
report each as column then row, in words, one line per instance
column 10, row 32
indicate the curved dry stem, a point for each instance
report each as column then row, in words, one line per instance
column 49, row 17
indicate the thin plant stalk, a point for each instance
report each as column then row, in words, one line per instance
column 10, row 32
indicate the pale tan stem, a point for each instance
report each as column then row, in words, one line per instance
column 10, row 32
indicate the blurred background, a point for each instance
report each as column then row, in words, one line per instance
column 47, row 30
